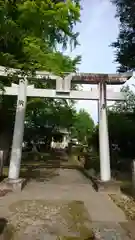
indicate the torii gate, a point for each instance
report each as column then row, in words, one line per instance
column 63, row 91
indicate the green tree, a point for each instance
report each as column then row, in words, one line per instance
column 121, row 132
column 83, row 126
column 122, row 119
column 121, row 125
column 127, row 105
column 30, row 30
column 44, row 116
column 30, row 33
column 125, row 43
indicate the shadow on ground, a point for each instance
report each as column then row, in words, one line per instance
column 42, row 166
column 6, row 230
column 38, row 173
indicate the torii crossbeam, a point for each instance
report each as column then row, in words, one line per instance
column 63, row 90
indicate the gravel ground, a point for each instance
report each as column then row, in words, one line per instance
column 126, row 203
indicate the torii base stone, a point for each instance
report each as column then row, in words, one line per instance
column 12, row 185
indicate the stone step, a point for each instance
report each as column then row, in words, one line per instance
column 52, row 166
column 52, row 161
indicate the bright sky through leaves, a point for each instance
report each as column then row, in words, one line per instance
column 98, row 29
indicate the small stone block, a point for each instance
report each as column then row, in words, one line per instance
column 110, row 186
column 13, row 185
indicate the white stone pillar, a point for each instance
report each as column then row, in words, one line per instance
column 16, row 153
column 133, row 175
column 105, row 171
column 64, row 141
column 98, row 108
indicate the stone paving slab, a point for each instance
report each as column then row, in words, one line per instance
column 109, row 231
column 34, row 219
column 102, row 208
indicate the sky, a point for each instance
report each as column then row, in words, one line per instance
column 98, row 29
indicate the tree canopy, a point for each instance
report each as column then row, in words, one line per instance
column 83, row 126
column 44, row 116
column 128, row 105
column 121, row 126
column 125, row 43
column 31, row 32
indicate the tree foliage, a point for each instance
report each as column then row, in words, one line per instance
column 31, row 30
column 30, row 33
column 83, row 126
column 121, row 126
column 121, row 132
column 125, row 44
column 44, row 116
column 127, row 106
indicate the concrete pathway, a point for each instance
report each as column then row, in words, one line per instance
column 68, row 186
column 72, row 185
